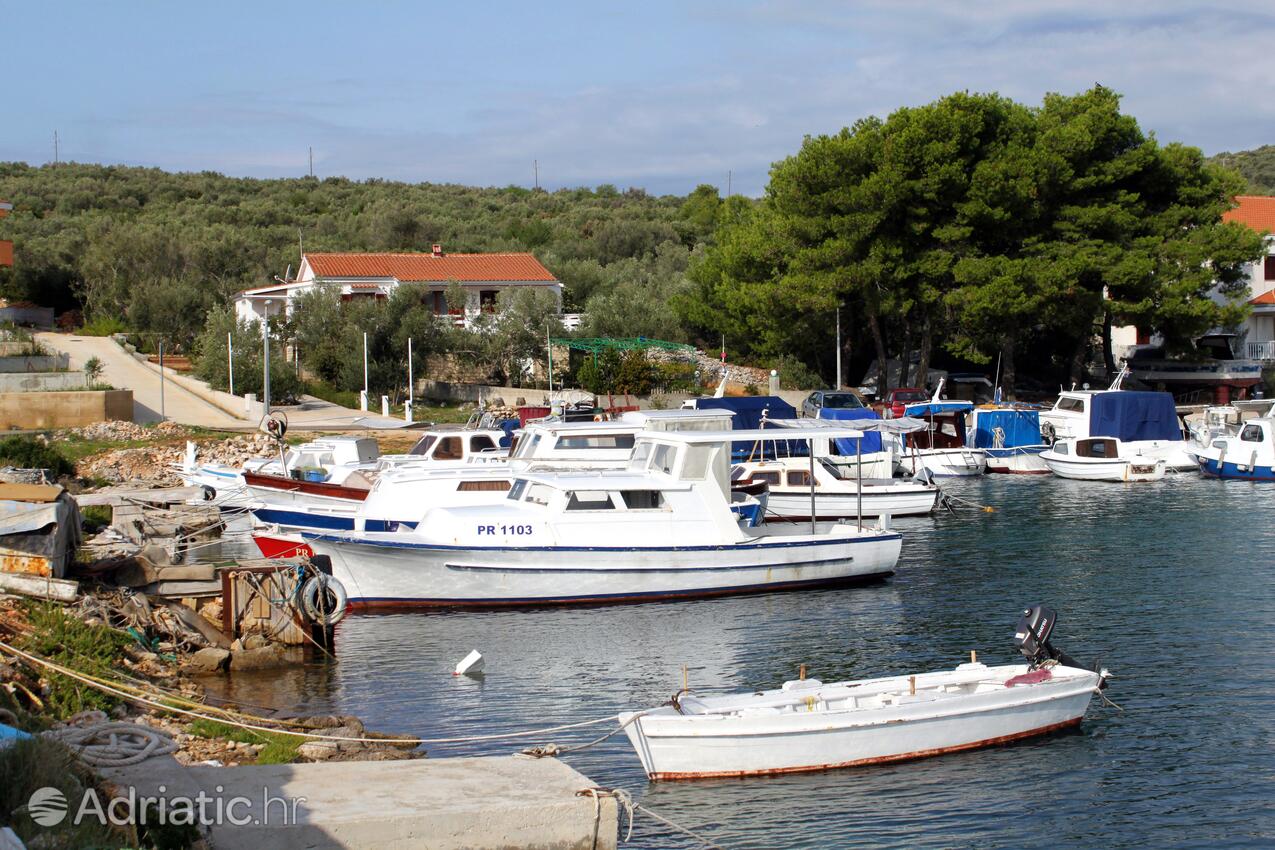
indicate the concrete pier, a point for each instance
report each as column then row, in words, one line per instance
column 497, row 802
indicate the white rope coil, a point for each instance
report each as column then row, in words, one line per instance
column 103, row 743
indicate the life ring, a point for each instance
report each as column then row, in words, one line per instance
column 1049, row 432
column 323, row 599
column 207, row 493
column 597, row 417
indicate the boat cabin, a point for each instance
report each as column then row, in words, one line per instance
column 1091, row 447
column 946, row 424
column 461, row 446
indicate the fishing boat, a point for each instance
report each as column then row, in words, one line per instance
column 1009, row 435
column 1101, row 459
column 941, row 450
column 808, row 725
column 1147, row 419
column 1248, row 455
column 661, row 528
column 328, row 459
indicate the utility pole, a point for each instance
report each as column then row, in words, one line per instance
column 535, row 163
column 411, row 384
column 265, row 344
column 311, row 161
column 838, row 346
column 230, row 360
column 729, row 175
column 549, row 349
column 365, row 386
column 55, row 147
column 162, row 413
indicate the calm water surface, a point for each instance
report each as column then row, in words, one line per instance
column 1169, row 584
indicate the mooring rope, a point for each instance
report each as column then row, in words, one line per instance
column 103, row 743
column 624, row 800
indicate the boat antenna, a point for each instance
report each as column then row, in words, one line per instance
column 996, row 387
column 1120, row 376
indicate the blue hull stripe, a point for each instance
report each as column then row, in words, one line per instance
column 593, row 571
column 392, row 602
column 741, row 547
column 1232, row 470
column 301, row 519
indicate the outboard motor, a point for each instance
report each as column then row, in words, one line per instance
column 1032, row 638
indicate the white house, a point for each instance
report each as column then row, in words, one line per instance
column 1258, row 212
column 483, row 277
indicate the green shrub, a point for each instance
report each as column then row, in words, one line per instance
column 31, row 453
column 66, row 640
column 795, row 375
column 103, row 326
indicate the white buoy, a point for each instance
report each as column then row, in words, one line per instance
column 471, row 665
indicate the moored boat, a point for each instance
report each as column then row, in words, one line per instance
column 807, row 725
column 1009, row 435
column 1101, row 459
column 1248, row 455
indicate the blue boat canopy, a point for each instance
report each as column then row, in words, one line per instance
column 1130, row 416
column 938, row 408
column 1020, row 427
column 846, row 445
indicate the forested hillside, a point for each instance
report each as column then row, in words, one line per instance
column 156, row 251
column 1256, row 166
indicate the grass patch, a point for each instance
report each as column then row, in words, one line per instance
column 95, row 516
column 30, row 453
column 66, row 640
column 281, row 748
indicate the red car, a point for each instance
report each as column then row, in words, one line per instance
column 897, row 399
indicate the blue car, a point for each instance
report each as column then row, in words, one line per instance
column 832, row 399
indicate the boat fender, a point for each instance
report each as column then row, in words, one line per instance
column 208, row 493
column 323, row 599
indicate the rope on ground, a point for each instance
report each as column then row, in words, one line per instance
column 101, row 743
column 624, row 801
column 142, row 700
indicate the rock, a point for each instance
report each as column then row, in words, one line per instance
column 209, row 660
column 318, row 750
column 254, row 642
column 261, row 658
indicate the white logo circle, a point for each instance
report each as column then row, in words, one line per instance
column 47, row 806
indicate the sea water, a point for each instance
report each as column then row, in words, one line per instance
column 1168, row 584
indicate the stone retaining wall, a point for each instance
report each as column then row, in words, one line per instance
column 28, row 382
column 33, row 411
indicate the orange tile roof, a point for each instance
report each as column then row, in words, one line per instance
column 1264, row 298
column 1256, row 211
column 427, row 267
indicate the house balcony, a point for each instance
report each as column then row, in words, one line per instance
column 467, row 318
column 1264, row 351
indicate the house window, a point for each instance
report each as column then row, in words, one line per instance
column 1269, row 267
column 440, row 303
column 487, row 300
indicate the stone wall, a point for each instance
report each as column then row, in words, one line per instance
column 19, row 382
column 17, row 362
column 44, row 410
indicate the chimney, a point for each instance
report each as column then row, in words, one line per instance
column 438, row 250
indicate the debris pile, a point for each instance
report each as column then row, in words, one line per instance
column 118, row 431
column 158, row 465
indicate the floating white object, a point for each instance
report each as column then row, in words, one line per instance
column 471, row 665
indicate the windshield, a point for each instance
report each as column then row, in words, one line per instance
column 842, row 401
column 911, row 395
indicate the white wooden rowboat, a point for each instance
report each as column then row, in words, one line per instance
column 807, row 725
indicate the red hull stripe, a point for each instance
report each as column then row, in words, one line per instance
column 314, row 488
column 918, row 754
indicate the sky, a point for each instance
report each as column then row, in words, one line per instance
column 662, row 96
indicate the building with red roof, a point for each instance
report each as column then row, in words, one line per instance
column 482, row 276
column 1258, row 213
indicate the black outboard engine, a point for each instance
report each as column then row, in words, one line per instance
column 1032, row 637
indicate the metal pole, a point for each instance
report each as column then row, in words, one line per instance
column 366, row 388
column 230, row 359
column 810, row 444
column 549, row 348
column 838, row 346
column 265, row 346
column 858, row 461
column 411, row 384
column 162, row 414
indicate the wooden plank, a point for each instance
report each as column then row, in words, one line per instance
column 125, row 495
column 40, row 587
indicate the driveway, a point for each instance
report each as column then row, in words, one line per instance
column 122, row 371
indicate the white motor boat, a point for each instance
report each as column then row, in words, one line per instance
column 1101, row 459
column 839, row 495
column 661, row 528
column 807, row 725
column 942, row 449
column 1146, row 420
column 318, row 461
column 1248, row 455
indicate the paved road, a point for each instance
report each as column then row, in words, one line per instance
column 122, row 371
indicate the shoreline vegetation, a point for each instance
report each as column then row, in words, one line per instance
column 972, row 230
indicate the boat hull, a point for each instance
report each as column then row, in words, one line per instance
column 945, row 463
column 385, row 573
column 1213, row 468
column 1024, row 460
column 1105, row 469
column 796, row 506
column 805, row 739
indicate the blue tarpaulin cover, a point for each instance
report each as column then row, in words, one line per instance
column 845, row 446
column 747, row 412
column 1130, row 416
column 1021, row 427
column 937, row 408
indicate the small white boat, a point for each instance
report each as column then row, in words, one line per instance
column 331, row 458
column 1009, row 434
column 1248, row 455
column 807, row 725
column 788, row 482
column 941, row 450
column 1101, row 459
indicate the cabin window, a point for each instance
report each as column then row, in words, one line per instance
column 423, row 445
column 449, row 448
column 527, row 448
column 662, row 459
column 771, row 478
column 1251, row 434
column 482, row 486
column 696, row 465
column 595, row 441
column 539, row 494
column 641, row 453
column 1076, row 405
column 643, row 500
column 1061, row 449
column 589, row 500
column 481, row 443
column 516, row 491
column 798, row 478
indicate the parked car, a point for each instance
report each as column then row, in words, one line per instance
column 835, row 399
column 897, row 399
